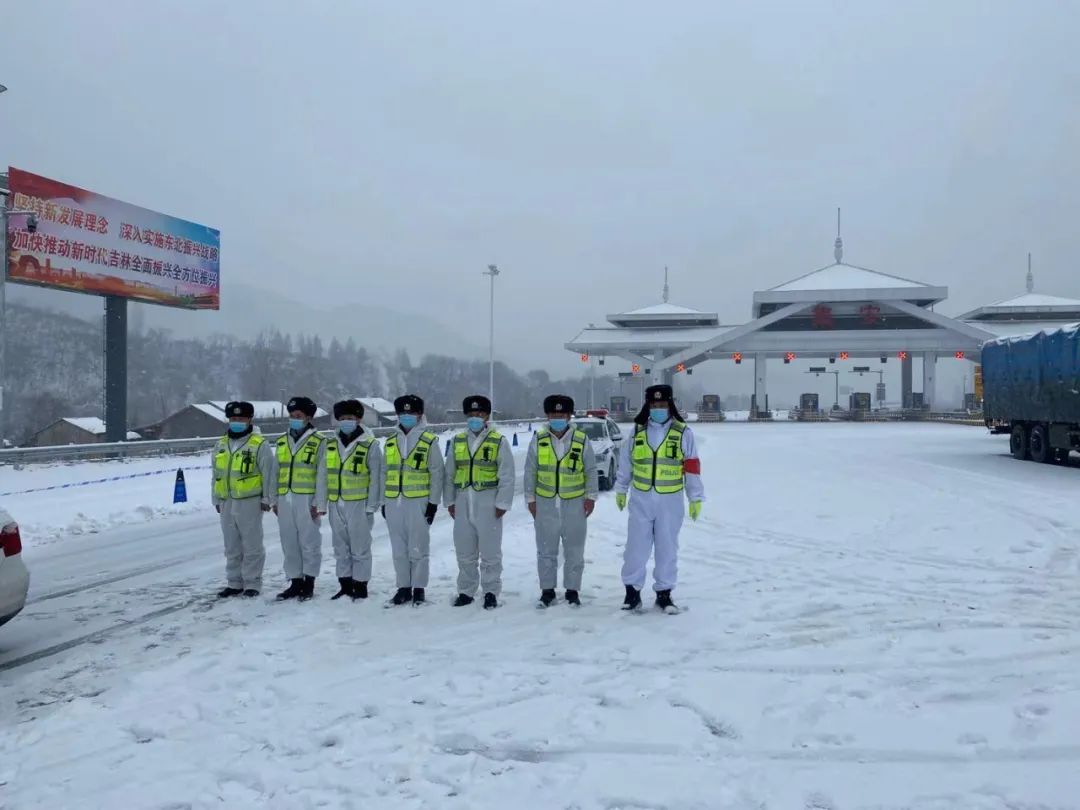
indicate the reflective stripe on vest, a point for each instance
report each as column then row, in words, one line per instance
column 411, row 477
column 479, row 471
column 296, row 473
column 349, row 478
column 564, row 476
column 237, row 475
column 660, row 469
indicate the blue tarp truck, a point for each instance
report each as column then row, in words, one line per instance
column 1031, row 388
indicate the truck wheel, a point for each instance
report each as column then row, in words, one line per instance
column 1018, row 443
column 1039, row 445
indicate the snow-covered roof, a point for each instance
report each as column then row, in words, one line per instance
column 377, row 404
column 1036, row 306
column 264, row 409
column 846, row 277
column 94, row 425
column 664, row 309
column 598, row 339
column 664, row 314
column 1038, row 300
column 210, row 410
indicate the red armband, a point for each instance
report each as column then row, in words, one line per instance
column 692, row 466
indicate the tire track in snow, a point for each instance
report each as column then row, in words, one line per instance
column 464, row 745
column 130, row 574
column 102, row 633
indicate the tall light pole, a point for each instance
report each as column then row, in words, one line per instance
column 492, row 271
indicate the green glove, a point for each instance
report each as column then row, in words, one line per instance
column 695, row 510
column 620, row 500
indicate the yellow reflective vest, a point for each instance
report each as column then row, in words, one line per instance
column 409, row 477
column 660, row 469
column 349, row 478
column 480, row 470
column 564, row 476
column 296, row 472
column 237, row 474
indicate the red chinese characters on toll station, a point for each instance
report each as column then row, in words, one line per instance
column 870, row 314
column 823, row 317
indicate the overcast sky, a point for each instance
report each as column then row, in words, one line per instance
column 390, row 151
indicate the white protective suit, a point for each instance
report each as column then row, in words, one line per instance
column 410, row 533
column 301, row 537
column 655, row 519
column 477, row 532
column 242, row 520
column 351, row 521
column 558, row 519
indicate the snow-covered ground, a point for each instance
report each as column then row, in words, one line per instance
column 881, row 616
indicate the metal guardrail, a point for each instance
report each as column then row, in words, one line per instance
column 107, row 451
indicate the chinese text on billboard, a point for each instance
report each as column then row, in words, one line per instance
column 88, row 243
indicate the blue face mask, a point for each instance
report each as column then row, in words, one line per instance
column 559, row 425
column 475, row 423
column 347, row 426
column 659, row 415
column 408, row 420
column 237, row 427
column 297, row 424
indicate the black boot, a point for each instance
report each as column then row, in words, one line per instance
column 663, row 601
column 490, row 602
column 403, row 596
column 633, row 598
column 359, row 590
column 463, row 600
column 225, row 593
column 573, row 599
column 418, row 596
column 251, row 593
column 547, row 596
column 296, row 587
column 307, row 589
column 346, row 587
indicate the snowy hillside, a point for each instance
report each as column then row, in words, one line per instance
column 880, row 616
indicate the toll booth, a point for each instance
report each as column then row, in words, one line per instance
column 709, row 410
column 859, row 401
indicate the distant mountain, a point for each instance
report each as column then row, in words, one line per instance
column 246, row 311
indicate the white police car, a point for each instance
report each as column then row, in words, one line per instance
column 14, row 578
column 606, row 439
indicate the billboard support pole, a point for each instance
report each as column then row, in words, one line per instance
column 115, row 368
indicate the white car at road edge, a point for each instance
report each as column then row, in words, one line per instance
column 14, row 578
column 606, row 439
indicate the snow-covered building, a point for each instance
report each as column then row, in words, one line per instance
column 841, row 312
column 202, row 419
column 378, row 412
column 1026, row 313
column 74, row 430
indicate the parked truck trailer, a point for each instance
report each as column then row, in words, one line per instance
column 1031, row 390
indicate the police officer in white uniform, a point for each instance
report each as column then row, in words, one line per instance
column 301, row 474
column 661, row 463
column 561, row 487
column 479, row 490
column 414, row 487
column 354, row 472
column 243, row 487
